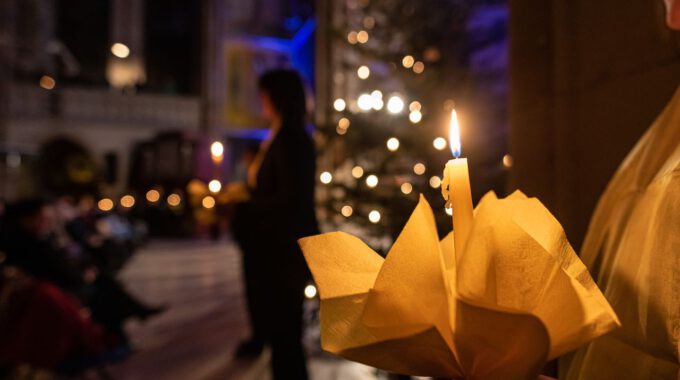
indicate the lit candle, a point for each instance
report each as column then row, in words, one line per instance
column 456, row 188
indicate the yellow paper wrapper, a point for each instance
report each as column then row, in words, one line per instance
column 516, row 297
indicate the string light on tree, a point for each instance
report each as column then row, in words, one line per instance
column 392, row 144
column 339, row 105
column 363, row 72
column 439, row 143
column 377, row 100
column 362, row 37
column 374, row 216
column 365, row 102
column 435, row 181
column 215, row 186
column 395, row 104
column 326, row 178
column 415, row 117
column 372, row 181
column 406, row 188
column 208, row 202
column 415, row 106
column 419, row 168
column 408, row 61
column 357, row 172
column 347, row 211
column 310, row 291
column 352, row 37
column 418, row 67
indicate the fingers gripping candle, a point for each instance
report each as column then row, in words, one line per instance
column 456, row 188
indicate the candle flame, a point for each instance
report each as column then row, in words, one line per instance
column 454, row 135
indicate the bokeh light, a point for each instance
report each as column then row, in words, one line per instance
column 372, row 180
column 208, row 202
column 326, row 178
column 120, row 50
column 127, row 201
column 105, row 204
column 374, row 216
column 392, row 144
column 439, row 143
column 215, row 186
column 419, row 168
column 357, row 172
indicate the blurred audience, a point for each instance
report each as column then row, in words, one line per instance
column 274, row 209
column 62, row 307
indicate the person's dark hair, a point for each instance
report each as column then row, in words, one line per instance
column 287, row 94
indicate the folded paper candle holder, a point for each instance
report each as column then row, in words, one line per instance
column 517, row 295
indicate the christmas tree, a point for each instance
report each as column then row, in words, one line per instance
column 397, row 69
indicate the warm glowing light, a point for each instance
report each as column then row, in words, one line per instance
column 435, row 182
column 395, row 104
column 127, row 201
column 377, row 94
column 352, row 37
column 372, row 180
column 408, row 61
column 439, row 143
column 415, row 117
column 418, row 67
column 363, row 72
column 415, row 106
column 340, row 131
column 365, row 102
column 120, row 50
column 47, row 82
column 449, row 211
column 310, row 291
column 208, row 202
column 174, row 200
column 347, row 211
column 357, row 172
column 378, row 104
column 392, row 144
column 419, row 168
column 153, row 196
column 406, row 188
column 215, row 186
column 454, row 135
column 374, row 216
column 339, row 105
column 507, row 161
column 105, row 204
column 362, row 37
column 369, row 22
column 343, row 123
column 326, row 178
column 216, row 149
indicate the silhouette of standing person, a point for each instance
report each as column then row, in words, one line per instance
column 278, row 209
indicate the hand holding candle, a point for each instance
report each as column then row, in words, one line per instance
column 456, row 188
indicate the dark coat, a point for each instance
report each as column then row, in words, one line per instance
column 281, row 208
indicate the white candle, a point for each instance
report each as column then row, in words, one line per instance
column 456, row 188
